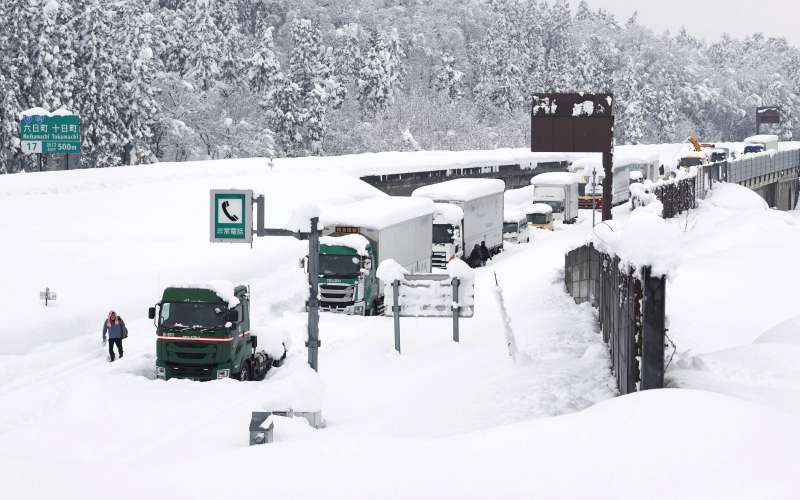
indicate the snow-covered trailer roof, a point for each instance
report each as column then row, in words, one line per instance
column 521, row 197
column 555, row 178
column 461, row 189
column 762, row 139
column 513, row 215
column 377, row 213
column 446, row 213
column 539, row 208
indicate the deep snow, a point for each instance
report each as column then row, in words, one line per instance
column 443, row 420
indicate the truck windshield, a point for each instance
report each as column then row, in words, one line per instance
column 193, row 315
column 443, row 233
column 537, row 218
column 339, row 265
column 510, row 227
column 690, row 162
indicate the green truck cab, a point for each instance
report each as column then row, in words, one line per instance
column 347, row 280
column 202, row 336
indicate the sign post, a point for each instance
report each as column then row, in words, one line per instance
column 47, row 296
column 576, row 123
column 231, row 212
column 767, row 114
column 231, row 216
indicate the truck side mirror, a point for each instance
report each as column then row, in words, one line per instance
column 367, row 263
column 151, row 313
column 232, row 316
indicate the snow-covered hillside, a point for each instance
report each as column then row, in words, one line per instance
column 443, row 420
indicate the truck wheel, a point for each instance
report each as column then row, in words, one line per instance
column 278, row 362
column 244, row 375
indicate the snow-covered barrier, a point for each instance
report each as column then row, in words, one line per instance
column 631, row 304
column 429, row 295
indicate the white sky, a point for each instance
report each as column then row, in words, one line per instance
column 710, row 18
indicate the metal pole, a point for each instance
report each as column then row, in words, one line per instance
column 456, row 309
column 313, row 295
column 594, row 197
column 608, row 167
column 40, row 162
column 46, row 295
column 396, row 313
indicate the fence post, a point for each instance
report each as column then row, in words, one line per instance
column 653, row 331
column 456, row 309
column 396, row 312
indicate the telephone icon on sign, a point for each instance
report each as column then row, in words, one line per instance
column 231, row 217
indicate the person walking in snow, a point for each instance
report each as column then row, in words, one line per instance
column 474, row 259
column 485, row 254
column 116, row 330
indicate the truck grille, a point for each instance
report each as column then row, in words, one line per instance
column 193, row 371
column 439, row 260
column 336, row 296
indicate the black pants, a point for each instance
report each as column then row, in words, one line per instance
column 111, row 343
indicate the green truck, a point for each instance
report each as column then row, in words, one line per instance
column 360, row 235
column 203, row 333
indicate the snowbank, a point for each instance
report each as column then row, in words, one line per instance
column 461, row 189
column 737, row 198
column 786, row 332
column 389, row 270
column 355, row 241
column 378, row 213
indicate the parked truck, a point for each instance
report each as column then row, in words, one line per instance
column 515, row 226
column 560, row 191
column 203, row 333
column 358, row 236
column 481, row 202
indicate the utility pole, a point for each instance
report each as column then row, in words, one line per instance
column 313, row 295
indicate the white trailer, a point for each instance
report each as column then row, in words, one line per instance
column 481, row 201
column 560, row 191
column 395, row 227
column 770, row 142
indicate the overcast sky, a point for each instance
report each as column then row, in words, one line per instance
column 710, row 18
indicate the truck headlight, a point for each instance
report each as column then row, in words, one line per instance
column 161, row 372
column 225, row 373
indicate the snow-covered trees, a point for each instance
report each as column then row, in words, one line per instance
column 185, row 79
column 377, row 77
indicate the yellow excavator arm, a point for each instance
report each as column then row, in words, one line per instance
column 693, row 139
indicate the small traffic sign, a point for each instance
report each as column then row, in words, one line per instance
column 47, row 295
column 231, row 215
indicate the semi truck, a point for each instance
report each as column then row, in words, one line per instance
column 515, row 226
column 203, row 333
column 481, row 202
column 448, row 228
column 358, row 236
column 560, row 191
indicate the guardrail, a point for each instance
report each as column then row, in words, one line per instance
column 762, row 164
